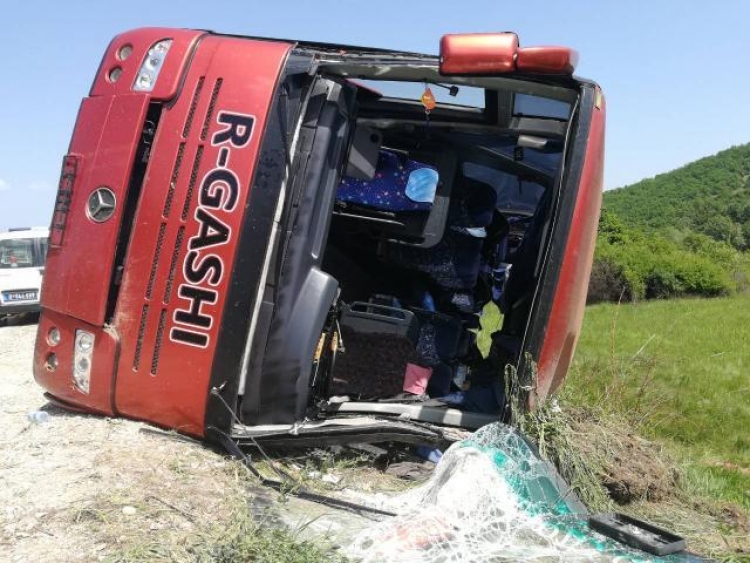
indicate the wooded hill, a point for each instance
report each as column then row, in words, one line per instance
column 686, row 232
column 709, row 196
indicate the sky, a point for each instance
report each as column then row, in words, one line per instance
column 675, row 73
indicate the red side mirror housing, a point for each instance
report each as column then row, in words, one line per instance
column 478, row 53
column 547, row 60
column 499, row 53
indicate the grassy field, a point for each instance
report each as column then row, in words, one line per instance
column 681, row 370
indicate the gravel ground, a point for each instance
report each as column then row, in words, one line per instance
column 84, row 488
column 87, row 488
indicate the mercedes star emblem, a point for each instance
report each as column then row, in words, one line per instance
column 101, row 205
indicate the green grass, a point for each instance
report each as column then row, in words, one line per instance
column 245, row 539
column 681, row 370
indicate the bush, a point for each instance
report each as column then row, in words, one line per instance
column 649, row 270
column 681, row 274
column 734, row 262
column 630, row 265
column 623, row 266
column 608, row 283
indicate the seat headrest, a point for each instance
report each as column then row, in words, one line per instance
column 472, row 204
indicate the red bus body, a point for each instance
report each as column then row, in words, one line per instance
column 171, row 201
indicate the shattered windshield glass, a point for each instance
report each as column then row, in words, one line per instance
column 491, row 498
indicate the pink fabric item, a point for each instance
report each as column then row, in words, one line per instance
column 416, row 378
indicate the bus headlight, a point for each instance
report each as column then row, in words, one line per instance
column 82, row 352
column 145, row 80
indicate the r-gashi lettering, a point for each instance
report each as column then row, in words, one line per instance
column 204, row 267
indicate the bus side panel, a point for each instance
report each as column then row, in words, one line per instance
column 569, row 300
column 186, row 228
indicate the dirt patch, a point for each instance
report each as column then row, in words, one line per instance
column 631, row 467
column 84, row 488
column 602, row 457
column 614, row 469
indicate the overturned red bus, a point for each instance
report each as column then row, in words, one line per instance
column 293, row 242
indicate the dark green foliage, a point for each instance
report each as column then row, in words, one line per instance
column 709, row 196
column 608, row 281
column 677, row 274
column 630, row 265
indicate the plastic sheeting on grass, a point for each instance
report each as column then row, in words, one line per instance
column 492, row 499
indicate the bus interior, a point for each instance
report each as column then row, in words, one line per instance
column 431, row 213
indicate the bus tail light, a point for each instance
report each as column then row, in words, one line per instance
column 83, row 349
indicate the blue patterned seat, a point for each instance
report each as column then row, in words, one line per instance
column 400, row 184
column 454, row 263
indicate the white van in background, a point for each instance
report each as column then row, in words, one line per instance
column 22, row 256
